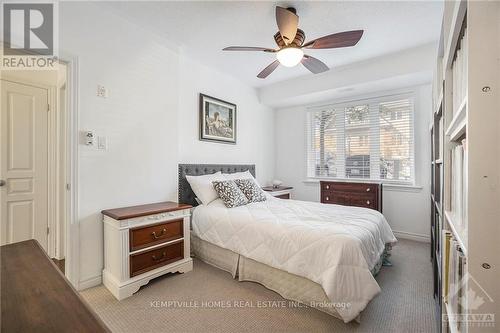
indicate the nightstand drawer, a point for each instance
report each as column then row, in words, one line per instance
column 143, row 237
column 149, row 260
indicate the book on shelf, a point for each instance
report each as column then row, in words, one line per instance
column 459, row 73
column 462, row 292
column 464, row 184
column 440, row 139
column 446, row 263
column 454, row 283
column 459, row 185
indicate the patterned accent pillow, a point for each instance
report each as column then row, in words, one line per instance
column 230, row 193
column 251, row 190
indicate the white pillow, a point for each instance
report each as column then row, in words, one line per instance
column 203, row 188
column 239, row 175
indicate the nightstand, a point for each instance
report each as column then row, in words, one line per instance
column 282, row 192
column 144, row 242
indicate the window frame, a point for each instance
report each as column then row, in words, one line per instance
column 356, row 101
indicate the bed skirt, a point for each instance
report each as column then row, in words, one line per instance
column 289, row 286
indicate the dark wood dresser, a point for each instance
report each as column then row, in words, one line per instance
column 36, row 297
column 368, row 195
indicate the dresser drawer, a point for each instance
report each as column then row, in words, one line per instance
column 161, row 256
column 334, row 197
column 359, row 194
column 150, row 235
column 349, row 187
column 367, row 201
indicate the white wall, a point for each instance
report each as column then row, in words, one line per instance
column 407, row 210
column 138, row 118
column 150, row 120
column 255, row 122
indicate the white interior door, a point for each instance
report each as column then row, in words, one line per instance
column 24, row 163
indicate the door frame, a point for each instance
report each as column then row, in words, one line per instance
column 62, row 161
column 71, row 161
column 72, row 226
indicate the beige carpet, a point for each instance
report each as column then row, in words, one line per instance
column 404, row 305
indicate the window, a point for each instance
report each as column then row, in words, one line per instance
column 367, row 139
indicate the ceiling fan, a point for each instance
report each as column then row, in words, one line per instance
column 290, row 40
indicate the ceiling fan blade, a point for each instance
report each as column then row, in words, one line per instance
column 341, row 39
column 314, row 65
column 247, row 48
column 268, row 70
column 287, row 24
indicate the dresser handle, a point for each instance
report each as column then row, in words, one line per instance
column 163, row 256
column 368, row 189
column 367, row 202
column 163, row 232
column 327, row 187
column 327, row 198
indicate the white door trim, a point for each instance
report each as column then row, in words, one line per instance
column 72, row 248
column 72, row 227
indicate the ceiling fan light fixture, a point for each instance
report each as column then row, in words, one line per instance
column 291, row 40
column 290, row 56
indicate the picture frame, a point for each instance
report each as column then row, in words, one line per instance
column 217, row 120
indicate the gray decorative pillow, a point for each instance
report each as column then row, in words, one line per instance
column 251, row 190
column 230, row 193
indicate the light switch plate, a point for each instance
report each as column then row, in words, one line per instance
column 101, row 142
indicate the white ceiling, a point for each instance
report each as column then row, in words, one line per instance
column 202, row 29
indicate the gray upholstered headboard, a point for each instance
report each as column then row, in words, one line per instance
column 186, row 194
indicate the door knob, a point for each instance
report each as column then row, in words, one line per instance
column 2, row 182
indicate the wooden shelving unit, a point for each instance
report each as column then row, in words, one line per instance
column 465, row 193
column 436, row 132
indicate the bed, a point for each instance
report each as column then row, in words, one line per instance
column 324, row 256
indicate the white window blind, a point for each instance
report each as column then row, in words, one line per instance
column 366, row 139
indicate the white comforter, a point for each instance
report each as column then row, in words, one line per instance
column 334, row 246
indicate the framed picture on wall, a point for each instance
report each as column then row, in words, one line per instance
column 217, row 120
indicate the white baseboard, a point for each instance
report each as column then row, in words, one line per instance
column 412, row 236
column 90, row 282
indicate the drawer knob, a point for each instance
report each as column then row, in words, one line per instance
column 163, row 255
column 327, row 187
column 327, row 198
column 155, row 236
column 367, row 202
column 368, row 189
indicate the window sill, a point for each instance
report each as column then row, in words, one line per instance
column 386, row 186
